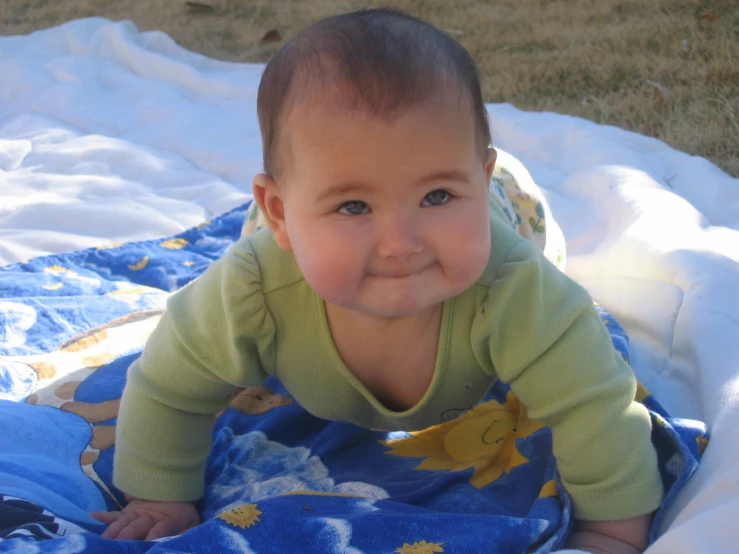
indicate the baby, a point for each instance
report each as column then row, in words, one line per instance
column 383, row 283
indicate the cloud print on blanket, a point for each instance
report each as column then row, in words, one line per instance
column 277, row 479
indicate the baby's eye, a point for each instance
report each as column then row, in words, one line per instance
column 354, row 207
column 436, row 198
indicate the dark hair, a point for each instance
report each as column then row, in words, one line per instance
column 378, row 61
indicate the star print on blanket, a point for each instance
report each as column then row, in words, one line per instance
column 277, row 479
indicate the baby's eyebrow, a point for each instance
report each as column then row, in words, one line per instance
column 445, row 175
column 359, row 186
column 344, row 188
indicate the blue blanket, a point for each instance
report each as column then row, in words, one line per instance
column 278, row 479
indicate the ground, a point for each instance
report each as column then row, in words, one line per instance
column 663, row 68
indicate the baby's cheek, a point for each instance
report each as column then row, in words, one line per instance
column 468, row 241
column 332, row 274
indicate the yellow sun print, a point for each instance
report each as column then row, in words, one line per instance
column 641, row 392
column 243, row 516
column 702, row 444
column 138, row 266
column 58, row 269
column 483, row 439
column 55, row 286
column 174, row 244
column 420, row 547
column 141, row 289
column 549, row 489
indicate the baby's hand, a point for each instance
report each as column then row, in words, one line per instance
column 149, row 520
column 596, row 543
column 630, row 536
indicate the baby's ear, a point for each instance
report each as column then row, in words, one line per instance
column 490, row 163
column 269, row 200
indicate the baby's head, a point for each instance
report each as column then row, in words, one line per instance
column 374, row 62
column 377, row 158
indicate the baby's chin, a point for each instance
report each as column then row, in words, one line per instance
column 389, row 307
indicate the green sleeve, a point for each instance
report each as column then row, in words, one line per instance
column 215, row 335
column 539, row 332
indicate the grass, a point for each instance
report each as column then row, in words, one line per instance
column 664, row 68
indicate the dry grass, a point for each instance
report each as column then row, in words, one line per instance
column 665, row 68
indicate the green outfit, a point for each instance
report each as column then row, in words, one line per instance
column 252, row 315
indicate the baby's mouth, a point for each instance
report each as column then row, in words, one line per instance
column 399, row 274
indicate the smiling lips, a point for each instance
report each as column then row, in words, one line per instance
column 400, row 274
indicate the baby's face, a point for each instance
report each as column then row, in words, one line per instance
column 388, row 217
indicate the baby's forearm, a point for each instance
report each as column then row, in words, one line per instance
column 595, row 536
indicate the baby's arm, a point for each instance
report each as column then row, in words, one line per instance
column 547, row 341
column 215, row 336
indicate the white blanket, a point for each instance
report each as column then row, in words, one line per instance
column 108, row 134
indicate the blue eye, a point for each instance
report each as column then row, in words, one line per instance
column 437, row 197
column 354, row 207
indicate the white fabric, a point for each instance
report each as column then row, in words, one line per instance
column 108, row 134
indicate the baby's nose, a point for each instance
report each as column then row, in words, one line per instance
column 399, row 238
